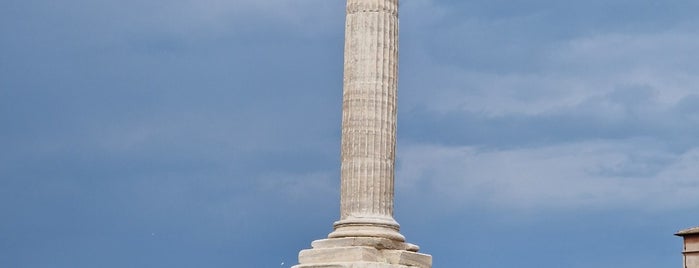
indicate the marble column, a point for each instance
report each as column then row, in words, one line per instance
column 369, row 120
column 366, row 234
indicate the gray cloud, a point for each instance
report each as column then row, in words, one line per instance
column 629, row 174
column 546, row 106
column 178, row 132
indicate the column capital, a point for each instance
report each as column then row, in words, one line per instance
column 357, row 6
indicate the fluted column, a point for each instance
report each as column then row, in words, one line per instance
column 369, row 120
column 367, row 236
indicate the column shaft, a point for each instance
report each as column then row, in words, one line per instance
column 367, row 236
column 369, row 117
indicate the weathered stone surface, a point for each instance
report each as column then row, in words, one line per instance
column 351, row 265
column 369, row 120
column 362, row 256
column 408, row 258
column 367, row 236
column 690, row 250
column 341, row 254
column 375, row 242
column 688, row 231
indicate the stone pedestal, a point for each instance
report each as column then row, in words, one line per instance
column 363, row 252
column 366, row 234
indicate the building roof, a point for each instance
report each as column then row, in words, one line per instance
column 690, row 231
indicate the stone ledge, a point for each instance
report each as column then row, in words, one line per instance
column 374, row 242
column 340, row 254
column 351, row 265
column 336, row 256
column 408, row 258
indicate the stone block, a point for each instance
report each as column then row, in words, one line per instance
column 408, row 258
column 340, row 254
column 351, row 265
column 354, row 253
column 374, row 242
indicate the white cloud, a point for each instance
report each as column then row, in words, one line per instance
column 546, row 74
column 628, row 90
column 633, row 174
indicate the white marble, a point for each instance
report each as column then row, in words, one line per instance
column 367, row 234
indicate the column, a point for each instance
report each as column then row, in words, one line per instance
column 367, row 236
column 369, row 121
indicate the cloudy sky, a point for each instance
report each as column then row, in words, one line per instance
column 205, row 133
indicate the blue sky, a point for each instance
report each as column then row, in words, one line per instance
column 205, row 133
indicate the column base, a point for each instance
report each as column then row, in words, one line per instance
column 367, row 227
column 362, row 252
column 351, row 265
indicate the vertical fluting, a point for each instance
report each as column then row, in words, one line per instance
column 369, row 114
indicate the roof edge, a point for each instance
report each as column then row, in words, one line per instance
column 689, row 231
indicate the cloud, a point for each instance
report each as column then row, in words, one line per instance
column 590, row 175
column 569, row 116
column 510, row 59
column 565, row 73
column 488, row 89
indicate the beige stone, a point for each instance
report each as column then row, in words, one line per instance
column 407, row 258
column 349, row 251
column 378, row 243
column 367, row 235
column 369, row 120
column 690, row 251
column 341, row 254
column 351, row 265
